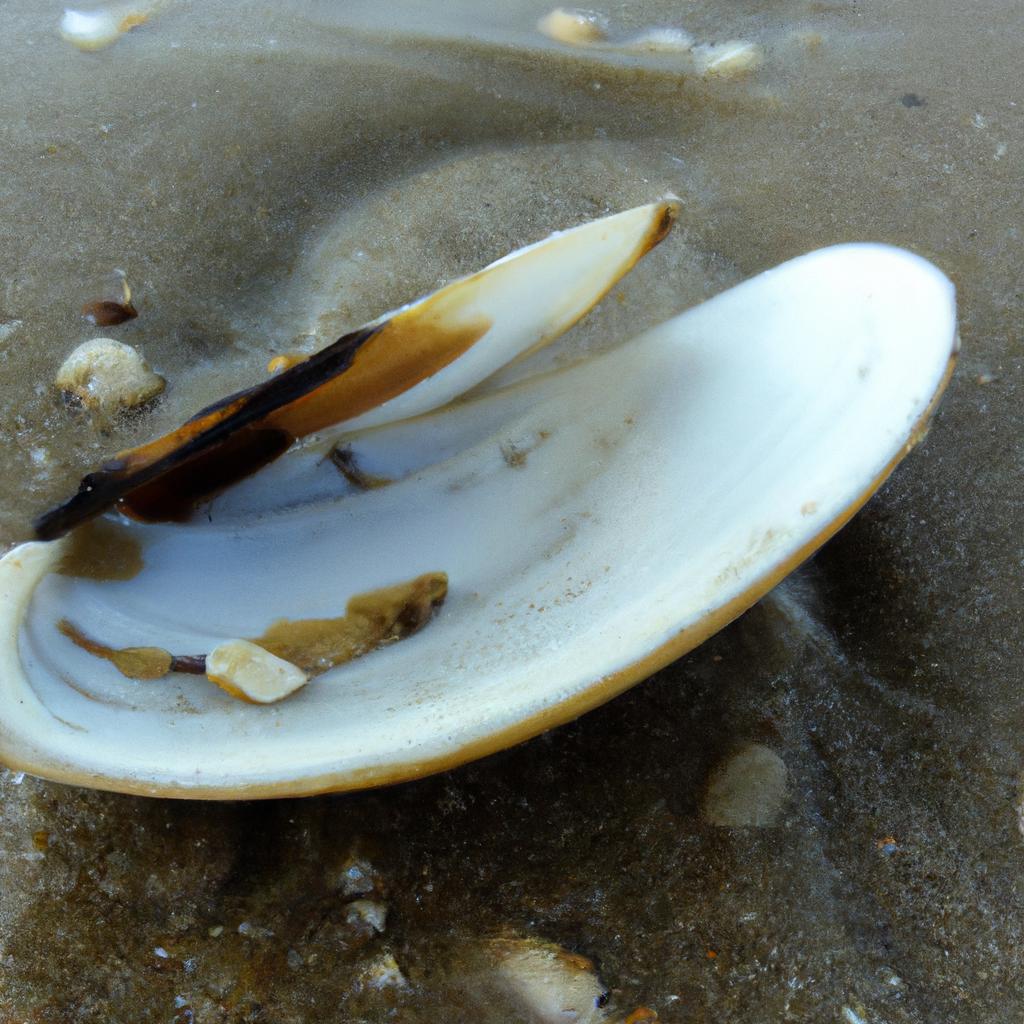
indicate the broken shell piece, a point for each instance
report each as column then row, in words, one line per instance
column 108, row 313
column 96, row 29
column 401, row 365
column 108, row 375
column 574, row 27
column 728, row 60
column 251, row 673
column 285, row 361
column 544, row 982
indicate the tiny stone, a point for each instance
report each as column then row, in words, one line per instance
column 161, row 952
column 247, row 671
column 546, row 982
column 216, row 931
column 747, row 789
column 357, row 877
column 295, row 960
column 108, row 375
column 367, row 914
column 728, row 60
column 384, row 972
column 7, row 328
column 577, row 28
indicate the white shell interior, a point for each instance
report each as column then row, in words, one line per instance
column 585, row 518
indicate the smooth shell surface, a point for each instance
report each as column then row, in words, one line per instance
column 594, row 523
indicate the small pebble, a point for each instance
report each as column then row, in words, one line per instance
column 7, row 328
column 574, row 27
column 93, row 30
column 250, row 673
column 748, row 789
column 357, row 877
column 367, row 914
column 728, row 60
column 545, row 982
column 383, row 972
column 108, row 375
column 216, row 931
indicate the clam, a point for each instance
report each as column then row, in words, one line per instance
column 536, row 546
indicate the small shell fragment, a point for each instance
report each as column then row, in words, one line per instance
column 96, row 29
column 545, row 982
column 108, row 313
column 383, row 972
column 367, row 915
column 574, row 27
column 253, row 674
column 108, row 375
column 728, row 60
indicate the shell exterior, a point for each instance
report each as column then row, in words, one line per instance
column 595, row 523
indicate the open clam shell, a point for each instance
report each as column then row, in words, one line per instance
column 595, row 523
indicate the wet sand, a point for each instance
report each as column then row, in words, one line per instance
column 267, row 178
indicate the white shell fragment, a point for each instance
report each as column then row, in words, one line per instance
column 544, row 982
column 658, row 491
column 98, row 28
column 573, row 27
column 107, row 375
column 250, row 673
column 367, row 915
column 728, row 60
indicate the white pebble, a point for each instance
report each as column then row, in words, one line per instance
column 93, row 30
column 250, row 673
column 546, row 982
column 108, row 375
column 7, row 328
column 728, row 60
column 576, row 28
column 747, row 789
column 89, row 30
column 367, row 914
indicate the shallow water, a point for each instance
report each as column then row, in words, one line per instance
column 270, row 175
